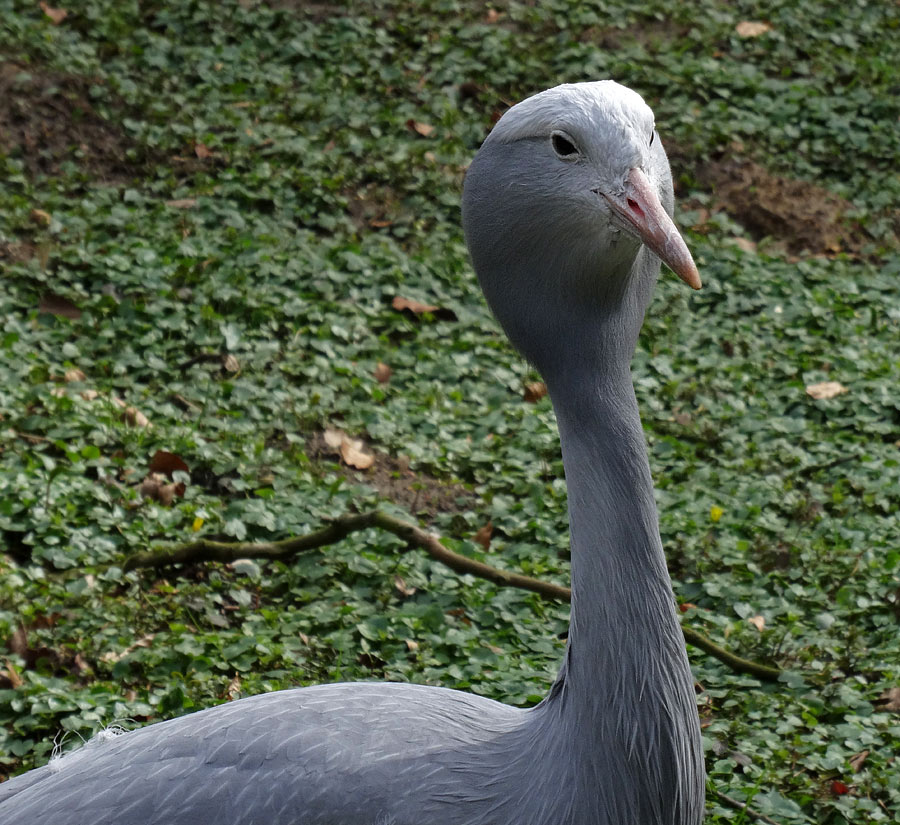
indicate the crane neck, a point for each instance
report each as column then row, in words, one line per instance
column 625, row 694
column 622, row 602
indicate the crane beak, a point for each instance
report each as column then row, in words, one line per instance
column 640, row 212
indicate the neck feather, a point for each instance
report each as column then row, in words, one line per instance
column 626, row 691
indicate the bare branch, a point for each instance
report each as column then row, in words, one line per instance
column 337, row 529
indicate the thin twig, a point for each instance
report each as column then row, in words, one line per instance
column 221, row 551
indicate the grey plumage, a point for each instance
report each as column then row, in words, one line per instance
column 565, row 210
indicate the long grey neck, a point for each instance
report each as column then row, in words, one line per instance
column 625, row 693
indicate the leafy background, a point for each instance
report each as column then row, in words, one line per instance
column 206, row 213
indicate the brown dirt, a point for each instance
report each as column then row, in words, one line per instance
column 46, row 118
column 799, row 215
column 419, row 493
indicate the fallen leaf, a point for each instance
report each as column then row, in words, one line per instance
column 889, row 700
column 167, row 463
column 40, row 217
column 423, row 129
column 56, row 15
column 856, row 762
column 759, row 622
column 133, row 417
column 89, row 395
column 379, row 223
column 352, row 453
column 383, row 373
column 483, row 535
column 413, row 306
column 685, row 606
column 233, row 691
column 231, row 363
column 333, row 438
column 826, row 390
column 57, row 305
column 417, row 308
column 149, row 487
column 752, row 28
column 402, row 587
column 202, row 151
column 492, row 16
column 74, row 374
column 182, row 203
column 838, row 788
column 534, row 392
column 411, row 645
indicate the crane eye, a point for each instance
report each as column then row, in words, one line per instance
column 562, row 145
column 652, row 135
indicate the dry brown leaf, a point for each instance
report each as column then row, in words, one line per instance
column 74, row 374
column 494, row 649
column 333, row 439
column 202, row 151
column 133, row 417
column 353, row 455
column 423, row 129
column 856, row 762
column 231, row 363
column 413, row 306
column 380, row 223
column 40, row 217
column 89, row 395
column 233, row 691
column 826, row 390
column 534, row 392
column 57, row 305
column 411, row 645
column 483, row 535
column 889, row 700
column 56, row 15
column 417, row 308
column 752, row 28
column 149, row 487
column 383, row 373
column 182, row 203
column 402, row 587
column 759, row 622
column 168, row 463
column 492, row 16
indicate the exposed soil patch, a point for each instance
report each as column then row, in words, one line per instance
column 421, row 494
column 803, row 216
column 47, row 118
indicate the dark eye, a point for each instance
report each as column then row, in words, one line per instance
column 562, row 145
column 652, row 135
